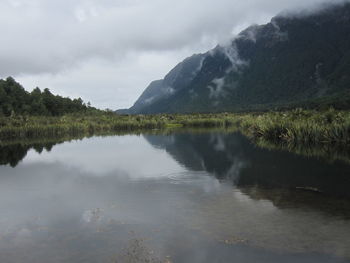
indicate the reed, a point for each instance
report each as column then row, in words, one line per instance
column 299, row 127
column 307, row 127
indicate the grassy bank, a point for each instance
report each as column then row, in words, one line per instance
column 299, row 127
column 19, row 127
column 296, row 127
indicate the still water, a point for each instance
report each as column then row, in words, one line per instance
column 208, row 197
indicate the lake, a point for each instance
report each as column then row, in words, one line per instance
column 180, row 197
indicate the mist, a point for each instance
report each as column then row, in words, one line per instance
column 108, row 51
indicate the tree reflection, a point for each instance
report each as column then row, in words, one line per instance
column 12, row 154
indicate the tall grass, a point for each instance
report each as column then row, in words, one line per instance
column 294, row 127
column 40, row 127
column 299, row 127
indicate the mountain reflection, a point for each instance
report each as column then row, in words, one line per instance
column 197, row 197
column 232, row 156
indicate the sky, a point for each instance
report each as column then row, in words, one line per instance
column 108, row 51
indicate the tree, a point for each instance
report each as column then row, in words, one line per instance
column 15, row 99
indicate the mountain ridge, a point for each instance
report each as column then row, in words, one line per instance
column 292, row 60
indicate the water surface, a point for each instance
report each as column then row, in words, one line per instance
column 208, row 197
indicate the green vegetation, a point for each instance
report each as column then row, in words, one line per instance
column 42, row 115
column 307, row 132
column 19, row 127
column 307, row 127
column 15, row 100
column 298, row 126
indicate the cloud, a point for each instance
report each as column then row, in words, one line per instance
column 216, row 89
column 107, row 84
column 60, row 37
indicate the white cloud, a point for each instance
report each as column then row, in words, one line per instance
column 80, row 43
column 107, row 83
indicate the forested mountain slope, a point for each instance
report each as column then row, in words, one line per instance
column 296, row 59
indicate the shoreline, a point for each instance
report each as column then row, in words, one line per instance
column 298, row 126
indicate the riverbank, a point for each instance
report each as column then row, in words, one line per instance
column 306, row 127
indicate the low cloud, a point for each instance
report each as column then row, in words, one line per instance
column 51, row 40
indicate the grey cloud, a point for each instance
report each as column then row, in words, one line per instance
column 47, row 36
column 52, row 37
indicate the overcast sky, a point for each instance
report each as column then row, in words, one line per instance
column 108, row 51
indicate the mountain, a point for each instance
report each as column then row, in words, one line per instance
column 174, row 82
column 296, row 59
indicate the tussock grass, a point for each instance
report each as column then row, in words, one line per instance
column 299, row 127
column 307, row 127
